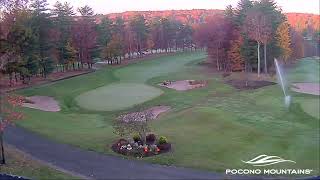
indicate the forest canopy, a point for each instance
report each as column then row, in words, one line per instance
column 36, row 40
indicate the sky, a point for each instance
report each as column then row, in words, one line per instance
column 111, row 6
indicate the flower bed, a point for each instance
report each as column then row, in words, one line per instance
column 136, row 148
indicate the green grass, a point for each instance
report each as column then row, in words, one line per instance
column 311, row 106
column 308, row 71
column 211, row 128
column 117, row 96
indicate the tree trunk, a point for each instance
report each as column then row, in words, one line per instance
column 265, row 59
column 143, row 136
column 16, row 77
column 3, row 160
column 10, row 79
column 258, row 59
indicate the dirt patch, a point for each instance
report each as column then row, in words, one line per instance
column 151, row 113
column 306, row 88
column 43, row 103
column 184, row 85
column 247, row 85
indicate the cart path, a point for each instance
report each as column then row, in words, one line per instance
column 93, row 165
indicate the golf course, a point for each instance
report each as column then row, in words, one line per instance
column 213, row 128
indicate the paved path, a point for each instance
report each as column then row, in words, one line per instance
column 95, row 165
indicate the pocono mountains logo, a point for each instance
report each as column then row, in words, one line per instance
column 265, row 160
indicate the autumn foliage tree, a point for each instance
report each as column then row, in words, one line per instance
column 243, row 31
column 214, row 35
column 70, row 55
column 85, row 35
column 257, row 26
column 113, row 50
column 36, row 40
column 284, row 40
column 8, row 114
column 234, row 54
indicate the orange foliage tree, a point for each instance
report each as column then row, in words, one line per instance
column 8, row 114
column 234, row 54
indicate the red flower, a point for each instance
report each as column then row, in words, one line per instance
column 145, row 149
column 158, row 150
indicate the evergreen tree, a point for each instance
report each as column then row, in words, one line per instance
column 41, row 25
column 140, row 30
column 104, row 30
column 63, row 22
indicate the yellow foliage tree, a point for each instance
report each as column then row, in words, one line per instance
column 284, row 40
column 113, row 50
column 70, row 54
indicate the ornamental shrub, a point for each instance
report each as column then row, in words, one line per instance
column 163, row 140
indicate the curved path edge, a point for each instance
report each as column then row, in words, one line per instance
column 93, row 165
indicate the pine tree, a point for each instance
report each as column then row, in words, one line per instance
column 41, row 25
column 140, row 30
column 104, row 31
column 63, row 22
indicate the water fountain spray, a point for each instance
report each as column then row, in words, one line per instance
column 287, row 98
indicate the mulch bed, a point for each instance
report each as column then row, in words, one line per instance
column 152, row 114
column 184, row 85
column 247, row 85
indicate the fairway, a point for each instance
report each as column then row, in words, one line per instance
column 117, row 96
column 311, row 107
column 211, row 128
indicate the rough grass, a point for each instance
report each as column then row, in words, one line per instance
column 210, row 128
column 22, row 165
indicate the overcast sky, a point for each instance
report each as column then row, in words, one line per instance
column 108, row 6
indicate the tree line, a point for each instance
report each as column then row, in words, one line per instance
column 249, row 36
column 36, row 40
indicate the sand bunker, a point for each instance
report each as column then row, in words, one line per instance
column 307, row 88
column 150, row 114
column 43, row 103
column 184, row 85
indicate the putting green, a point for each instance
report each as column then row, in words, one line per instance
column 117, row 96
